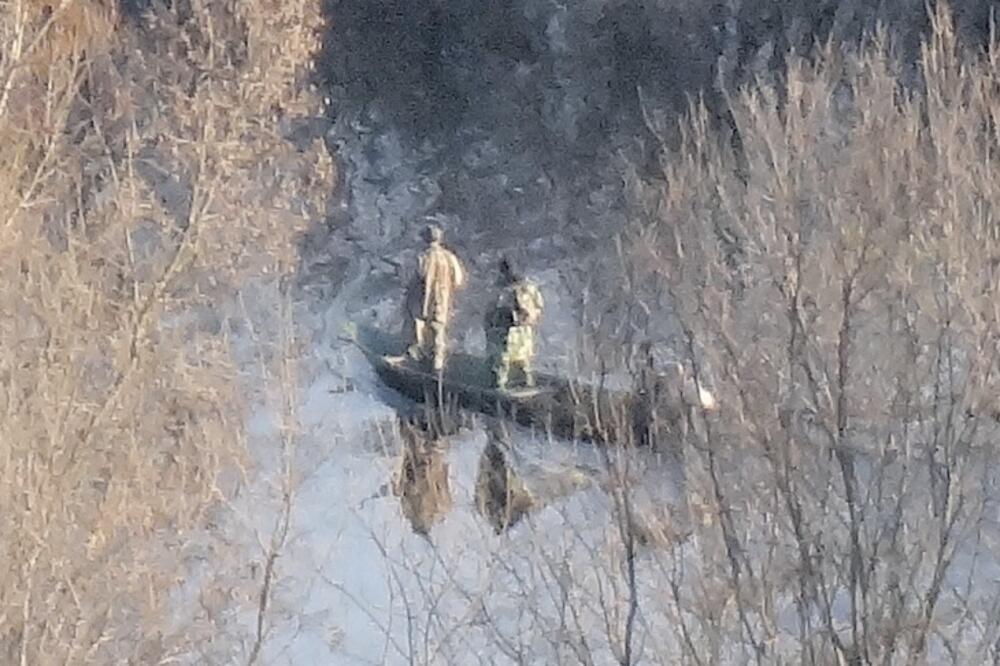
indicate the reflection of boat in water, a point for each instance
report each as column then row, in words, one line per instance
column 565, row 408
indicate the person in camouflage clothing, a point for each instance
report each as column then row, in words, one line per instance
column 510, row 326
column 430, row 298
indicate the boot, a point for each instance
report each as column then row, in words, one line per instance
column 500, row 376
column 528, row 372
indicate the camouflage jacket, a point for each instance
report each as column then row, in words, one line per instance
column 519, row 304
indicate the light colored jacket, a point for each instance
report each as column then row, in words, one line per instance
column 439, row 274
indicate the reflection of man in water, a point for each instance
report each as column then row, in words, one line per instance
column 421, row 482
column 500, row 495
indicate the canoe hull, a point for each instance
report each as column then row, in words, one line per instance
column 563, row 408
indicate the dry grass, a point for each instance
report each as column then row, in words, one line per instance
column 138, row 196
column 842, row 294
column 839, row 291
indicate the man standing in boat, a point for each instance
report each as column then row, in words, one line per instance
column 510, row 326
column 430, row 297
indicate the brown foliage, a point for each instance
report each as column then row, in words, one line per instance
column 132, row 213
column 841, row 290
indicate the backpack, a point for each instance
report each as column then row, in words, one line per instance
column 529, row 303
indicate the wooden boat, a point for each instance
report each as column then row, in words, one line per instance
column 556, row 405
